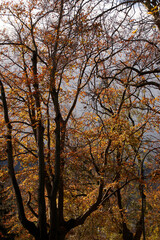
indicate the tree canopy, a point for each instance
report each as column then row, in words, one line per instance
column 80, row 118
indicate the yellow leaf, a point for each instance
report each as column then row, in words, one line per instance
column 134, row 31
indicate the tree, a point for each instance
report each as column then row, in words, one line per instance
column 71, row 156
column 40, row 53
column 123, row 77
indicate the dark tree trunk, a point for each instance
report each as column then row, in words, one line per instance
column 59, row 236
column 127, row 234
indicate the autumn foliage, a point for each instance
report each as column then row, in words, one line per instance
column 80, row 118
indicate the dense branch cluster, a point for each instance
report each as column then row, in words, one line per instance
column 80, row 117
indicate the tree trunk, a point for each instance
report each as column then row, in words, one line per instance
column 58, row 235
column 127, row 234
